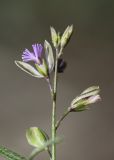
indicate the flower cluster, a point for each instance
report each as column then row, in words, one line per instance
column 44, row 64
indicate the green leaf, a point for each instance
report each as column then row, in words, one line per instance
column 36, row 137
column 10, row 155
column 28, row 69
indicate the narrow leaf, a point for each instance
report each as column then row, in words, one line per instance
column 10, row 155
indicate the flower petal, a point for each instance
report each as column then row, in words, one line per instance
column 49, row 56
column 28, row 56
column 28, row 69
column 37, row 48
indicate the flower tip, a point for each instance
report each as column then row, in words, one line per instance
column 45, row 41
column 72, row 25
column 94, row 99
column 51, row 27
column 71, row 29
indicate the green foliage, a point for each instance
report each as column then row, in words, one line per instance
column 10, row 155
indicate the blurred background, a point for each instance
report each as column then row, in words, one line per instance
column 25, row 101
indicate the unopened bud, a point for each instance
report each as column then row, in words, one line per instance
column 36, row 137
column 66, row 36
column 55, row 37
column 87, row 97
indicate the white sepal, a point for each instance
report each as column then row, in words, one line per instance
column 49, row 56
column 28, row 69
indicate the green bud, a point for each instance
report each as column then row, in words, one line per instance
column 66, row 36
column 36, row 137
column 54, row 36
column 87, row 97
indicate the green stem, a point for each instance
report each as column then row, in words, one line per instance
column 50, row 86
column 54, row 108
column 50, row 154
column 61, row 118
column 35, row 152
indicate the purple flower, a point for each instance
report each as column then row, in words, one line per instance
column 43, row 64
column 33, row 56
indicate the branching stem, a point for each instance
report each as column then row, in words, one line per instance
column 61, row 118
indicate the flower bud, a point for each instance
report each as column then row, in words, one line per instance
column 87, row 97
column 66, row 36
column 55, row 37
column 36, row 137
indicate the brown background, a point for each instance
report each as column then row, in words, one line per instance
column 25, row 101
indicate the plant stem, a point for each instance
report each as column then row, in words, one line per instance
column 50, row 154
column 61, row 118
column 54, row 108
column 50, row 86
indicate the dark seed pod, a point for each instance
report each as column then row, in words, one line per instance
column 61, row 65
